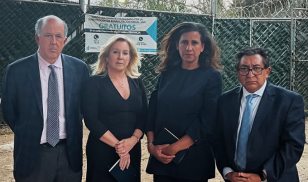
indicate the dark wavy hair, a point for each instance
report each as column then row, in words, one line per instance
column 249, row 51
column 170, row 56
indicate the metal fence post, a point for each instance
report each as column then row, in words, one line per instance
column 82, row 5
column 292, row 51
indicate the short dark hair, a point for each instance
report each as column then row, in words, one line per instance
column 249, row 51
column 171, row 57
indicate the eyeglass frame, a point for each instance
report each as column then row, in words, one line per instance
column 251, row 71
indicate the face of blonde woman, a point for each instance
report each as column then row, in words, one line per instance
column 119, row 57
column 190, row 47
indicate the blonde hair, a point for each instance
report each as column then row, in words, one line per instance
column 100, row 67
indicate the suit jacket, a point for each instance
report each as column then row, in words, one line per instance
column 23, row 111
column 277, row 137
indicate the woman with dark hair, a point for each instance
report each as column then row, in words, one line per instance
column 184, row 102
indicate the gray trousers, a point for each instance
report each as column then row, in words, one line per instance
column 52, row 166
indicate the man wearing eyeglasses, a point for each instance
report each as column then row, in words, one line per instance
column 260, row 127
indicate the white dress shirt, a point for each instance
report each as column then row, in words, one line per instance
column 44, row 75
column 255, row 104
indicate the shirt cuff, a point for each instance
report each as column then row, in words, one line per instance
column 227, row 170
column 264, row 170
column 262, row 175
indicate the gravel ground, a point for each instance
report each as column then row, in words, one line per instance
column 6, row 159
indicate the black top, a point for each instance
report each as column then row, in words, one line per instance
column 105, row 109
column 184, row 102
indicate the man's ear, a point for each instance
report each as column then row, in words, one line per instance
column 268, row 70
column 37, row 39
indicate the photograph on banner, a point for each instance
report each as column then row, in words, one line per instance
column 141, row 30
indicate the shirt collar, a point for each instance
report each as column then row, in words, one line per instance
column 258, row 92
column 44, row 64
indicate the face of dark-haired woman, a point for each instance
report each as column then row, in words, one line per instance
column 190, row 47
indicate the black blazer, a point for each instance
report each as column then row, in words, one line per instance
column 185, row 102
column 277, row 137
column 22, row 110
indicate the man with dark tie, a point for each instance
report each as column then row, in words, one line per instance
column 41, row 104
column 260, row 127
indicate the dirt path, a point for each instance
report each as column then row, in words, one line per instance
column 6, row 159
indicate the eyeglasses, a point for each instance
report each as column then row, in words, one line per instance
column 254, row 71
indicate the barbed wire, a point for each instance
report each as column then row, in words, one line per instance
column 261, row 9
column 179, row 6
column 218, row 8
column 300, row 13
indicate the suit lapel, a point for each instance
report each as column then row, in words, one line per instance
column 235, row 112
column 33, row 72
column 68, row 71
column 263, row 109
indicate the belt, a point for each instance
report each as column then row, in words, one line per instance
column 61, row 142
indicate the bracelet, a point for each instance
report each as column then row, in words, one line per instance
column 149, row 142
column 136, row 137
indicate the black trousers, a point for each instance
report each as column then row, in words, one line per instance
column 52, row 166
column 159, row 178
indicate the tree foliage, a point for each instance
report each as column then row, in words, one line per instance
column 224, row 9
column 161, row 5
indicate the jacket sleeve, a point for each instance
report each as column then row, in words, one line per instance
column 220, row 151
column 292, row 141
column 143, row 113
column 203, row 127
column 90, row 108
column 9, row 99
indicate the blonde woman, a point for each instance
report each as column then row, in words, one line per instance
column 115, row 111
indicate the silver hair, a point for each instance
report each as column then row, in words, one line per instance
column 42, row 21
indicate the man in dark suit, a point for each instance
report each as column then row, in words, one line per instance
column 261, row 127
column 41, row 104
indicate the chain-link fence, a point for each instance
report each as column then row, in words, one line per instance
column 17, row 38
column 274, row 36
column 231, row 35
column 300, row 53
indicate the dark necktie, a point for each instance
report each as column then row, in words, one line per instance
column 244, row 133
column 53, row 108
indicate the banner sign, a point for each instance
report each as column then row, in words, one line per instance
column 141, row 30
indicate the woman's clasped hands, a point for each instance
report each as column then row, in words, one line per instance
column 157, row 151
column 123, row 148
